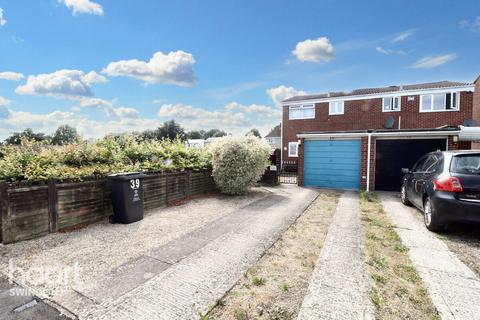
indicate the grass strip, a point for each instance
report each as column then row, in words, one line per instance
column 275, row 287
column 397, row 290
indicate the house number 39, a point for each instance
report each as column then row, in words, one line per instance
column 135, row 183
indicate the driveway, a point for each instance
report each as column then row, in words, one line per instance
column 453, row 287
column 184, row 276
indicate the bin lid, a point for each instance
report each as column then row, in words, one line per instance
column 126, row 175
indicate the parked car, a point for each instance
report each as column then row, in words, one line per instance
column 445, row 185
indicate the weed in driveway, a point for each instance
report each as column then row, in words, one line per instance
column 285, row 287
column 240, row 314
column 401, row 248
column 258, row 281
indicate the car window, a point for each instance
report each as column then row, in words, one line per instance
column 419, row 164
column 430, row 164
column 466, row 164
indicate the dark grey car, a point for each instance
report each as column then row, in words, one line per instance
column 445, row 185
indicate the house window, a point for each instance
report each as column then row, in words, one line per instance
column 391, row 104
column 335, row 107
column 449, row 101
column 301, row 112
column 293, row 149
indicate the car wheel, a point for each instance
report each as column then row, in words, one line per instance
column 403, row 196
column 430, row 217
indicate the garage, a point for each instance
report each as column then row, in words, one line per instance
column 393, row 155
column 332, row 163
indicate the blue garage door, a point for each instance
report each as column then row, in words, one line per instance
column 332, row 163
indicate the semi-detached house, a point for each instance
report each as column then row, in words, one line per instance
column 361, row 139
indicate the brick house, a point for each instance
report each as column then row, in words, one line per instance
column 361, row 139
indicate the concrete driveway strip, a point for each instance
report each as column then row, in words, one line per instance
column 453, row 287
column 340, row 284
column 194, row 284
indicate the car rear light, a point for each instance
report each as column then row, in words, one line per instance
column 448, row 184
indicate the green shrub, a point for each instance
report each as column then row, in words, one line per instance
column 238, row 163
column 35, row 161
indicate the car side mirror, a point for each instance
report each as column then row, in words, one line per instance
column 405, row 170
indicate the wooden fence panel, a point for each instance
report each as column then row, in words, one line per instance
column 81, row 203
column 25, row 213
column 154, row 191
column 176, row 186
column 28, row 211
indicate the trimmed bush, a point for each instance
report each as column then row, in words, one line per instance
column 35, row 161
column 238, row 163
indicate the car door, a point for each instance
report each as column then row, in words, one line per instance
column 415, row 175
column 424, row 176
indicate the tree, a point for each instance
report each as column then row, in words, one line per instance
column 64, row 135
column 196, row 134
column 16, row 137
column 170, row 130
column 214, row 133
column 148, row 135
column 254, row 132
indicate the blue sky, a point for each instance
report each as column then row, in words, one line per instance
column 112, row 66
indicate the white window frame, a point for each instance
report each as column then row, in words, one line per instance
column 457, row 107
column 301, row 107
column 334, row 106
column 290, row 144
column 392, row 104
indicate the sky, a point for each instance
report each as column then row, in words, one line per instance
column 109, row 66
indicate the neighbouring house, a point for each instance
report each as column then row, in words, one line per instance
column 361, row 139
column 274, row 138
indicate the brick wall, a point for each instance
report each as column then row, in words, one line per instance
column 301, row 149
column 476, row 108
column 367, row 114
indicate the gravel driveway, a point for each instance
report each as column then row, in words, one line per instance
column 91, row 253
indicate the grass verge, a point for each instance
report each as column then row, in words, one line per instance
column 275, row 287
column 397, row 290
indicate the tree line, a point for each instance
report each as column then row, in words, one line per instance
column 66, row 134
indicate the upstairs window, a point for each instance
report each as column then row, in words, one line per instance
column 391, row 104
column 440, row 102
column 335, row 107
column 293, row 149
column 306, row 111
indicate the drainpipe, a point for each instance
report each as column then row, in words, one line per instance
column 368, row 160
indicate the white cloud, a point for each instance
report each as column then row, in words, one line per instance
column 202, row 118
column 256, row 109
column 404, row 35
column 12, row 76
column 61, row 84
column 281, row 93
column 172, row 68
column 318, row 50
column 433, row 62
column 390, row 51
column 92, row 77
column 4, row 102
column 473, row 25
column 83, row 6
column 2, row 19
column 108, row 107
